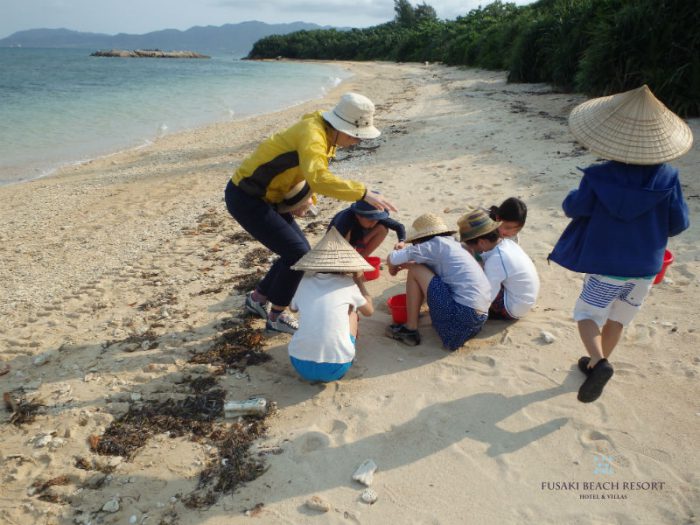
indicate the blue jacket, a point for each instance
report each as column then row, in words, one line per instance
column 623, row 215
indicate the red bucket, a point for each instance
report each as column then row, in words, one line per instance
column 668, row 259
column 375, row 262
column 397, row 307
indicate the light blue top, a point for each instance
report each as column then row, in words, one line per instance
column 455, row 266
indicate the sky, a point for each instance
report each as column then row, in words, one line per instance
column 143, row 16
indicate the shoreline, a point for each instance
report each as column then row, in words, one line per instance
column 141, row 138
column 117, row 272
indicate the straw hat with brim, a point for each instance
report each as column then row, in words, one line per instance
column 354, row 116
column 633, row 127
column 476, row 223
column 427, row 225
column 295, row 198
column 333, row 254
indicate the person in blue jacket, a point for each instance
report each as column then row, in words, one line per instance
column 623, row 213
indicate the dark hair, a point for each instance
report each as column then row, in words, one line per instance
column 511, row 209
column 491, row 236
column 427, row 238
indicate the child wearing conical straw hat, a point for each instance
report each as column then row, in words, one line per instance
column 328, row 299
column 623, row 213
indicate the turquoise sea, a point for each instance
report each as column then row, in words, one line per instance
column 61, row 106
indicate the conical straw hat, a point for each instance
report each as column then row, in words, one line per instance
column 426, row 225
column 333, row 254
column 633, row 127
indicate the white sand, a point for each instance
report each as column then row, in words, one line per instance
column 468, row 437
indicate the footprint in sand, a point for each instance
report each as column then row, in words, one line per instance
column 313, row 441
column 482, row 364
column 592, row 439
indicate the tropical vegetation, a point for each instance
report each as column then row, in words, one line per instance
column 597, row 47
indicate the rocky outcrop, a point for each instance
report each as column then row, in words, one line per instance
column 147, row 53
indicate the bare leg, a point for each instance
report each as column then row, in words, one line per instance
column 592, row 340
column 612, row 331
column 417, row 281
column 373, row 239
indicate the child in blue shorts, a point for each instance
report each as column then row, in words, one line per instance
column 328, row 300
column 445, row 275
column 623, row 213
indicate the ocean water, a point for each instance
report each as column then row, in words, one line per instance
column 61, row 106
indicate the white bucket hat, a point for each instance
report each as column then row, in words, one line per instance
column 633, row 127
column 353, row 115
column 426, row 225
column 333, row 254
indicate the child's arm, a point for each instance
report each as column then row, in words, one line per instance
column 398, row 228
column 366, row 309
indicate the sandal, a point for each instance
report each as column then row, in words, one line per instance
column 598, row 377
column 583, row 365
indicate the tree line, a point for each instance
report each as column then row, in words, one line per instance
column 597, row 47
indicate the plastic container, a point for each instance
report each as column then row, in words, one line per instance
column 668, row 259
column 375, row 262
column 397, row 307
column 256, row 406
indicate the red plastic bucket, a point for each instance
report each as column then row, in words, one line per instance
column 375, row 262
column 397, row 307
column 668, row 259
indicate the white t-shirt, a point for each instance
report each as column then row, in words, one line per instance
column 509, row 265
column 455, row 266
column 323, row 301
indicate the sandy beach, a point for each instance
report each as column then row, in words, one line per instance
column 115, row 273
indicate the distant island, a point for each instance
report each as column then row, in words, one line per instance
column 147, row 53
column 235, row 39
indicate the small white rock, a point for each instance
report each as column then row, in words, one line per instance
column 41, row 359
column 111, row 506
column 135, row 396
column 318, row 503
column 365, row 472
column 547, row 337
column 133, row 519
column 369, row 496
column 42, row 440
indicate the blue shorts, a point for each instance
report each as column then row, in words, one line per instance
column 454, row 322
column 325, row 372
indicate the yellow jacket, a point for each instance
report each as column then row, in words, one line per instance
column 286, row 158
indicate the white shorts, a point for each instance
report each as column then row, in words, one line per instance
column 605, row 298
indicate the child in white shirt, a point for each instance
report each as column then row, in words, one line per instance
column 328, row 300
column 510, row 271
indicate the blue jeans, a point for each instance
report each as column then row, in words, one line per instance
column 278, row 233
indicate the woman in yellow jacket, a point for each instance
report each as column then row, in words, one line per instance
column 279, row 180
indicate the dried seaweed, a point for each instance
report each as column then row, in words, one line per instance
column 136, row 341
column 191, row 416
column 256, row 257
column 234, row 465
column 41, row 486
column 23, row 411
column 242, row 237
column 237, row 348
column 207, row 291
column 244, row 283
column 201, row 384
